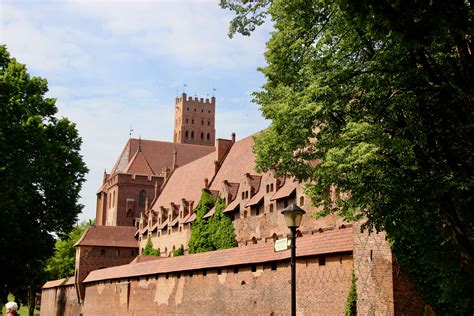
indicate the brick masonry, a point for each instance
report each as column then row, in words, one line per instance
column 322, row 290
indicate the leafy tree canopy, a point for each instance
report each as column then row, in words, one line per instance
column 62, row 263
column 41, row 174
column 375, row 98
column 216, row 233
column 149, row 250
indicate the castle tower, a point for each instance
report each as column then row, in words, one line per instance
column 194, row 121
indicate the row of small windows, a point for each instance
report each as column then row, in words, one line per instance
column 270, row 187
column 202, row 122
column 186, row 135
column 202, row 111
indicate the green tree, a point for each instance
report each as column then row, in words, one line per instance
column 351, row 304
column 41, row 174
column 376, row 98
column 221, row 228
column 179, row 252
column 215, row 233
column 149, row 250
column 62, row 263
column 200, row 240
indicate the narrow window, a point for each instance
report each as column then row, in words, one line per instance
column 142, row 198
column 271, row 187
column 271, row 208
column 208, row 123
column 236, row 269
column 257, row 211
column 202, row 136
column 301, row 200
column 268, row 188
column 254, row 268
column 186, row 134
column 202, row 122
column 219, row 271
column 243, row 195
column 186, row 120
column 274, row 266
column 208, row 136
column 192, row 135
column 192, row 121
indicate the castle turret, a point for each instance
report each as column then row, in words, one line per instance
column 195, row 120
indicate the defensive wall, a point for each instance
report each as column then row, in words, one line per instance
column 250, row 280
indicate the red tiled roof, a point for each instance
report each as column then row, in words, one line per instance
column 159, row 154
column 191, row 218
column 174, row 222
column 142, row 258
column 164, row 224
column 334, row 241
column 186, row 182
column 60, row 282
column 139, row 165
column 256, row 198
column 109, row 236
column 232, row 206
column 255, row 181
column 239, row 160
column 288, row 188
column 233, row 189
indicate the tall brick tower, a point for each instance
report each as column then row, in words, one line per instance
column 194, row 120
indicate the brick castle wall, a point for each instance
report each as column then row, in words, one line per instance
column 321, row 290
column 60, row 300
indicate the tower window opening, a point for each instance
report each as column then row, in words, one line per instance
column 192, row 121
column 208, row 136
column 186, row 134
column 202, row 135
column 192, row 135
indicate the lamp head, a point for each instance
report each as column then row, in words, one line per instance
column 293, row 215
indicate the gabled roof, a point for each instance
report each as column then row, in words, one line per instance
column 256, row 198
column 139, row 165
column 285, row 191
column 210, row 213
column 186, row 182
column 335, row 241
column 239, row 160
column 232, row 206
column 109, row 236
column 159, row 154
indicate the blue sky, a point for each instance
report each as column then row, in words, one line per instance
column 116, row 64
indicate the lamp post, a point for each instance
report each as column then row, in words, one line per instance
column 293, row 215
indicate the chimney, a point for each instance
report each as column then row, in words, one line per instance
column 175, row 158
column 222, row 148
column 233, row 138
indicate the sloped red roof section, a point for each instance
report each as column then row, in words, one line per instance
column 59, row 282
column 186, row 182
column 334, row 241
column 288, row 188
column 160, row 154
column 109, row 236
column 139, row 165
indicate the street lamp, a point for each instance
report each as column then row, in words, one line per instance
column 293, row 215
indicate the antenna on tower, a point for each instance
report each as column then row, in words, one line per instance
column 213, row 91
column 130, row 131
column 184, row 87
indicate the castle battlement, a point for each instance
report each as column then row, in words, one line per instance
column 184, row 98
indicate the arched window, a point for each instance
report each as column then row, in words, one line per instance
column 271, row 187
column 301, row 200
column 208, row 137
column 202, row 135
column 208, row 123
column 142, row 198
column 192, row 135
column 186, row 134
column 271, row 208
column 268, row 188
